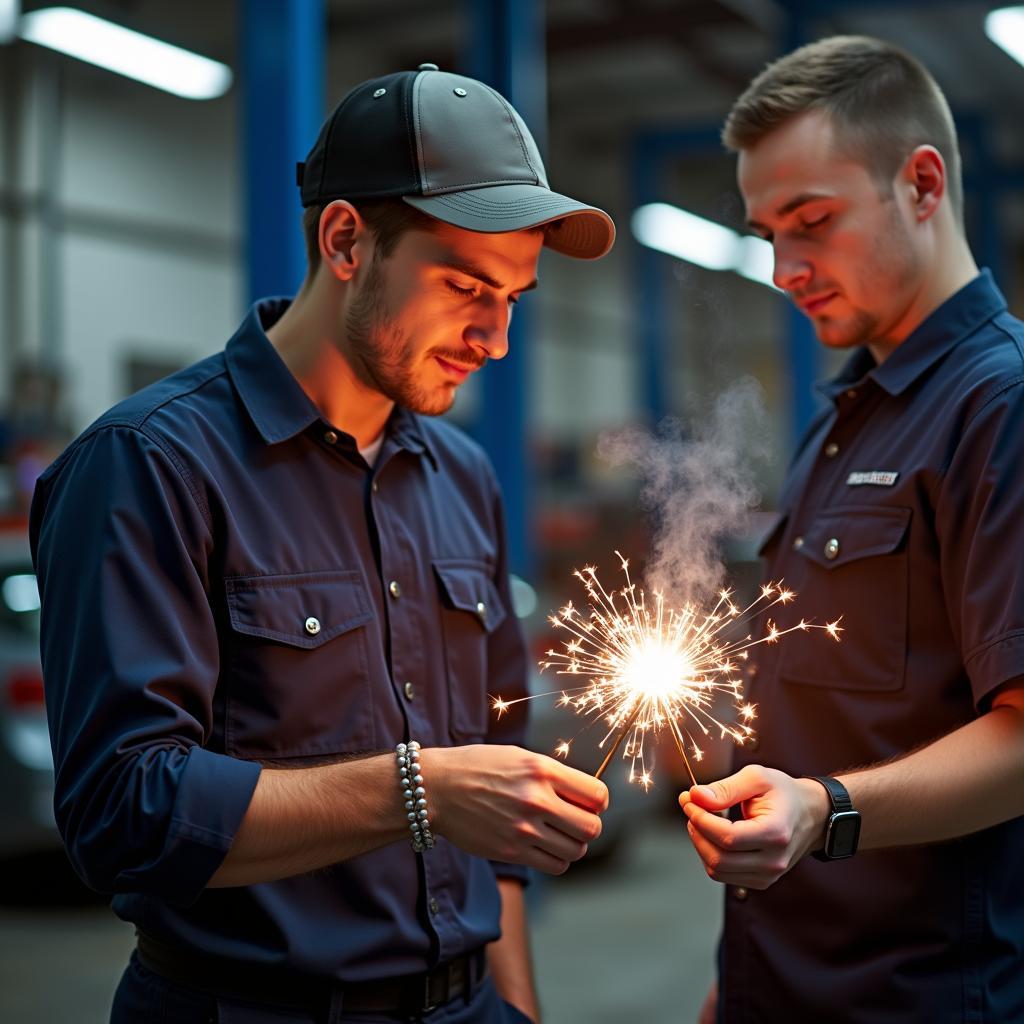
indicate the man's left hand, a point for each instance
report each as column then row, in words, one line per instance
column 783, row 819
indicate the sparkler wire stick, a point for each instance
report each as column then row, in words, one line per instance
column 618, row 739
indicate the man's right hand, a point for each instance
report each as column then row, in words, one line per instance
column 509, row 804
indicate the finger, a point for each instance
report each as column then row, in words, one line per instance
column 558, row 844
column 748, row 834
column 747, row 783
column 541, row 861
column 575, row 822
column 754, row 869
column 579, row 787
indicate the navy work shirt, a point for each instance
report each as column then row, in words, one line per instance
column 226, row 582
column 904, row 513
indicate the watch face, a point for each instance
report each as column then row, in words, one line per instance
column 843, row 833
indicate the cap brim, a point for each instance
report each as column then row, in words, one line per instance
column 585, row 232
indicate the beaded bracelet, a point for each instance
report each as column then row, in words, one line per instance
column 410, row 778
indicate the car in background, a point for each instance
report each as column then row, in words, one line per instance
column 26, row 766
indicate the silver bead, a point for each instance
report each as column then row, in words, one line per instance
column 411, row 815
column 403, row 772
column 408, row 794
column 421, row 803
column 402, row 762
column 415, row 768
column 413, row 745
column 419, row 791
column 424, row 822
column 401, row 748
column 422, row 814
column 409, row 805
column 415, row 826
column 418, row 779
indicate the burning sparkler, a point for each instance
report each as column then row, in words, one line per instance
column 658, row 668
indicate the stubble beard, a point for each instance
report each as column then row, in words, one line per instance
column 380, row 354
column 895, row 266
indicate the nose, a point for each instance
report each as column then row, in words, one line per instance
column 488, row 334
column 792, row 270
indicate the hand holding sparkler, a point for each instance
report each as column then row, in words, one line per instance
column 509, row 804
column 783, row 820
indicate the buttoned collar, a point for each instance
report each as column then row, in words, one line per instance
column 956, row 319
column 274, row 399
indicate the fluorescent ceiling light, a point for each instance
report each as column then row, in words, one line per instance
column 10, row 12
column 128, row 53
column 1005, row 27
column 689, row 237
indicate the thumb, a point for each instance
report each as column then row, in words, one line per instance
column 717, row 796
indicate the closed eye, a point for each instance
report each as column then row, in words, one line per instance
column 464, row 292
column 810, row 223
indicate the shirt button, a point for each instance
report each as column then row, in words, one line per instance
column 740, row 893
column 312, row 626
column 832, row 548
column 374, row 487
column 394, row 589
column 851, row 393
column 481, row 611
column 798, row 543
column 831, row 450
column 410, row 692
column 433, row 905
column 330, row 437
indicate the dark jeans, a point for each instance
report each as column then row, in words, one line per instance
column 143, row 997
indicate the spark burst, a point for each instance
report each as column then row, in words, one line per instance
column 652, row 669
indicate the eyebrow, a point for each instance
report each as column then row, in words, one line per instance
column 790, row 205
column 472, row 270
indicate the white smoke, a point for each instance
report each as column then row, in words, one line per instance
column 699, row 484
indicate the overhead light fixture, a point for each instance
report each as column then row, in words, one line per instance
column 697, row 240
column 128, row 53
column 10, row 12
column 1005, row 27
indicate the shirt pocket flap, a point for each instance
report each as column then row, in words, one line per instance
column 302, row 610
column 836, row 539
column 469, row 588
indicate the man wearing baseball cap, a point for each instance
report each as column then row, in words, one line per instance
column 275, row 598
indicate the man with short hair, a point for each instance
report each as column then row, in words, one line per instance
column 896, row 757
column 275, row 596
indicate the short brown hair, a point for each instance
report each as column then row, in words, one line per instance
column 882, row 101
column 389, row 219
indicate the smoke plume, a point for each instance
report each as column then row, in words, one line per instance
column 699, row 485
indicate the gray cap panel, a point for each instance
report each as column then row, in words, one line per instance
column 471, row 138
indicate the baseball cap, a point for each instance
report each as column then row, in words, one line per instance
column 453, row 148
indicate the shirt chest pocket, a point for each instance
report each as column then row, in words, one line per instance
column 471, row 610
column 298, row 678
column 851, row 563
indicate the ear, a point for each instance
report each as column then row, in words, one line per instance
column 345, row 240
column 925, row 174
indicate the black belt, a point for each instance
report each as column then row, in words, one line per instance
column 405, row 994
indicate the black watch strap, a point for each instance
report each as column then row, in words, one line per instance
column 837, row 793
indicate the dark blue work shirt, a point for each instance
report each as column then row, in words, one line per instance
column 904, row 513
column 183, row 543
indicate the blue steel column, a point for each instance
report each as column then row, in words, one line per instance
column 282, row 64
column 505, row 49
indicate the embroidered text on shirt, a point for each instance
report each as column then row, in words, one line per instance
column 876, row 477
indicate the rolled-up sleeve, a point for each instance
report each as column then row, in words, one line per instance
column 980, row 524
column 120, row 538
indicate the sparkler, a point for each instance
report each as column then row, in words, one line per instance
column 654, row 669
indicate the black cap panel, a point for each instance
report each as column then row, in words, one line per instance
column 365, row 149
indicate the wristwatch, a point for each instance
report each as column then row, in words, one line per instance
column 843, row 828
